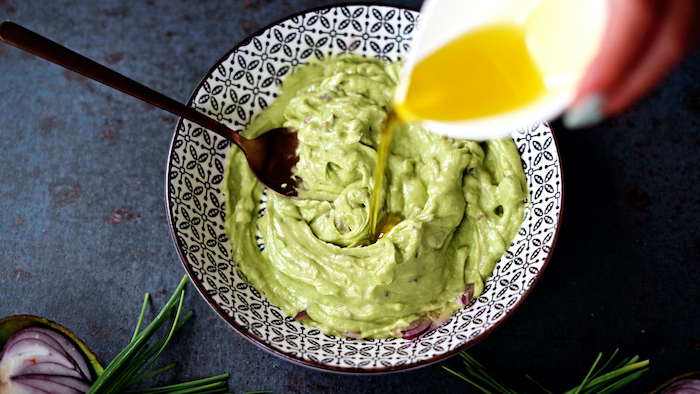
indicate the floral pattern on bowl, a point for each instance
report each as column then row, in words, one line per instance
column 245, row 81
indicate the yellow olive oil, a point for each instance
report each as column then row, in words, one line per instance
column 390, row 220
column 377, row 231
column 482, row 73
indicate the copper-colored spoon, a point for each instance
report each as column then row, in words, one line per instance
column 271, row 156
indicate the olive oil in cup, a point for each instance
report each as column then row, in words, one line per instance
column 480, row 69
column 500, row 76
column 504, row 77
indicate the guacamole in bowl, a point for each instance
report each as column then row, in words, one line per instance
column 460, row 204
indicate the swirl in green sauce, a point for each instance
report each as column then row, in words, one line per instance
column 462, row 203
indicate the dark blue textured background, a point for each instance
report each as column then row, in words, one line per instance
column 83, row 230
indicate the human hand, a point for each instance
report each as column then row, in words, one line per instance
column 644, row 40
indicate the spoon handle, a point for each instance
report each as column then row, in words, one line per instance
column 36, row 44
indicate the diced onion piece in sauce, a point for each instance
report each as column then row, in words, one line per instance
column 417, row 329
column 301, row 315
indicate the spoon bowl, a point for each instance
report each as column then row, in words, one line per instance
column 271, row 156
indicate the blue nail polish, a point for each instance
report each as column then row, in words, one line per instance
column 587, row 112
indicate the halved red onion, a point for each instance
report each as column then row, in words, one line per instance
column 70, row 349
column 416, row 328
column 39, row 360
column 301, row 315
column 353, row 335
column 40, row 352
column 687, row 386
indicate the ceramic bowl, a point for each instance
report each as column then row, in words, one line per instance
column 244, row 82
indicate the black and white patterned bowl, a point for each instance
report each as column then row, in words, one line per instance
column 246, row 81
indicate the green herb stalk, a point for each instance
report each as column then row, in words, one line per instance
column 131, row 364
column 595, row 381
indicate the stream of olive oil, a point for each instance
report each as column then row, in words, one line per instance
column 391, row 219
column 482, row 73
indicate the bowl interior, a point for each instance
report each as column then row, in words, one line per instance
column 245, row 81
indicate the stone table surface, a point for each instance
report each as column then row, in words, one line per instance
column 84, row 233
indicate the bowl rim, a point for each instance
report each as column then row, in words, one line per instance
column 250, row 337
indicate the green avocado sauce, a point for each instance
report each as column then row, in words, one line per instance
column 461, row 204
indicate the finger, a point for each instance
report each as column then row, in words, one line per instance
column 671, row 43
column 628, row 31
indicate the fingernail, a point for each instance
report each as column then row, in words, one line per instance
column 587, row 112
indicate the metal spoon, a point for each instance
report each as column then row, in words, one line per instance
column 271, row 156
